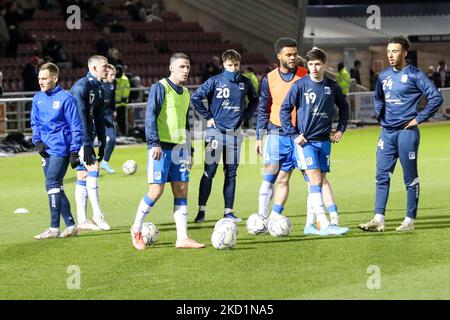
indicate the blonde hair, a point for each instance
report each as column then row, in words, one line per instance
column 51, row 67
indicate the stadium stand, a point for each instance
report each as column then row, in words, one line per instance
column 144, row 47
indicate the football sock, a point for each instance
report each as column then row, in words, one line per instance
column 265, row 195
column 408, row 220
column 202, row 208
column 310, row 215
column 81, row 200
column 92, row 190
column 277, row 211
column 379, row 217
column 316, row 203
column 145, row 206
column 180, row 216
column 65, row 209
column 54, row 199
column 334, row 217
column 227, row 210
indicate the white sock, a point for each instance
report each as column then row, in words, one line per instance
column 142, row 211
column 180, row 216
column 202, row 208
column 379, row 218
column 322, row 221
column 310, row 216
column 408, row 220
column 227, row 210
column 334, row 217
column 316, row 202
column 265, row 194
column 54, row 230
column 92, row 190
column 81, row 200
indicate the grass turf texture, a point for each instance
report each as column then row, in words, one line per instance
column 412, row 265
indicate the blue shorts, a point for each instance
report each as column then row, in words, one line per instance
column 172, row 166
column 279, row 150
column 313, row 155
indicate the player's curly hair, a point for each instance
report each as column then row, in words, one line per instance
column 400, row 40
column 284, row 43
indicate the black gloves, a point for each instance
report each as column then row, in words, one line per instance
column 101, row 152
column 74, row 160
column 89, row 155
column 41, row 149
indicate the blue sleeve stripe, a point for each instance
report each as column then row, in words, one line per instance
column 81, row 183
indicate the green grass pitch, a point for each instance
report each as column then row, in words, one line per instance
column 410, row 265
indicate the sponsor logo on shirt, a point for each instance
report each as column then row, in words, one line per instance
column 56, row 104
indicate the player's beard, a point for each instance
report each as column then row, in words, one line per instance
column 286, row 65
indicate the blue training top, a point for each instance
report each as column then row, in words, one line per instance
column 314, row 102
column 55, row 122
column 89, row 97
column 226, row 99
column 397, row 96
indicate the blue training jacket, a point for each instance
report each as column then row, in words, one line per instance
column 89, row 97
column 55, row 122
column 397, row 96
column 226, row 100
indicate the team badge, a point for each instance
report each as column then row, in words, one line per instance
column 309, row 161
column 157, row 175
column 56, row 104
column 241, row 86
column 412, row 155
column 327, row 90
column 404, row 78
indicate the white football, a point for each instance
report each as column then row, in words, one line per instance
column 129, row 167
column 279, row 227
column 224, row 235
column 256, row 224
column 150, row 233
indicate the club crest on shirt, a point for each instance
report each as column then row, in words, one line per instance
column 56, row 104
column 327, row 90
column 241, row 86
column 404, row 78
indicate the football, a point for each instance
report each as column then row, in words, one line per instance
column 150, row 233
column 129, row 167
column 280, row 227
column 256, row 224
column 224, row 235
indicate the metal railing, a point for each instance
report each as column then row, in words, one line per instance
column 15, row 111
